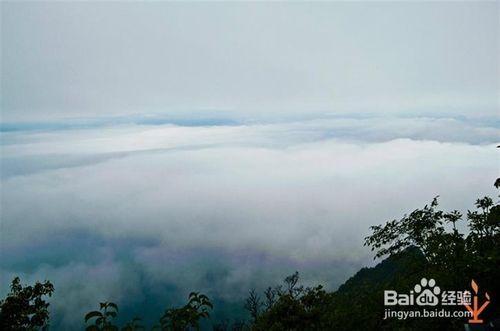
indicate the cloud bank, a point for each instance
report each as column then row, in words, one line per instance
column 142, row 214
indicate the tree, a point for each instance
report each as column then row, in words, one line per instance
column 24, row 308
column 103, row 318
column 253, row 304
column 289, row 306
column 188, row 316
column 453, row 257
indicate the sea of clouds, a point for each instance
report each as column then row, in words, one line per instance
column 142, row 214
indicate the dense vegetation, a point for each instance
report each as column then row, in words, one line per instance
column 425, row 243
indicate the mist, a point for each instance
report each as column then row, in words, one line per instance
column 146, row 213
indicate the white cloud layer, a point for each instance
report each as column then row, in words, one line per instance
column 245, row 202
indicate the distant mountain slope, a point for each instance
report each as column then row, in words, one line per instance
column 358, row 304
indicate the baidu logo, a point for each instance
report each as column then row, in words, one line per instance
column 425, row 293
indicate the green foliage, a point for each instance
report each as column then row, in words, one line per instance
column 420, row 229
column 24, row 308
column 289, row 306
column 103, row 318
column 188, row 316
column 134, row 325
column 453, row 257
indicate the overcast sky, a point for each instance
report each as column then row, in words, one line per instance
column 91, row 59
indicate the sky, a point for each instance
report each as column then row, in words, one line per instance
column 86, row 59
column 153, row 149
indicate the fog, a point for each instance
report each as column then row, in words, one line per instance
column 144, row 213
